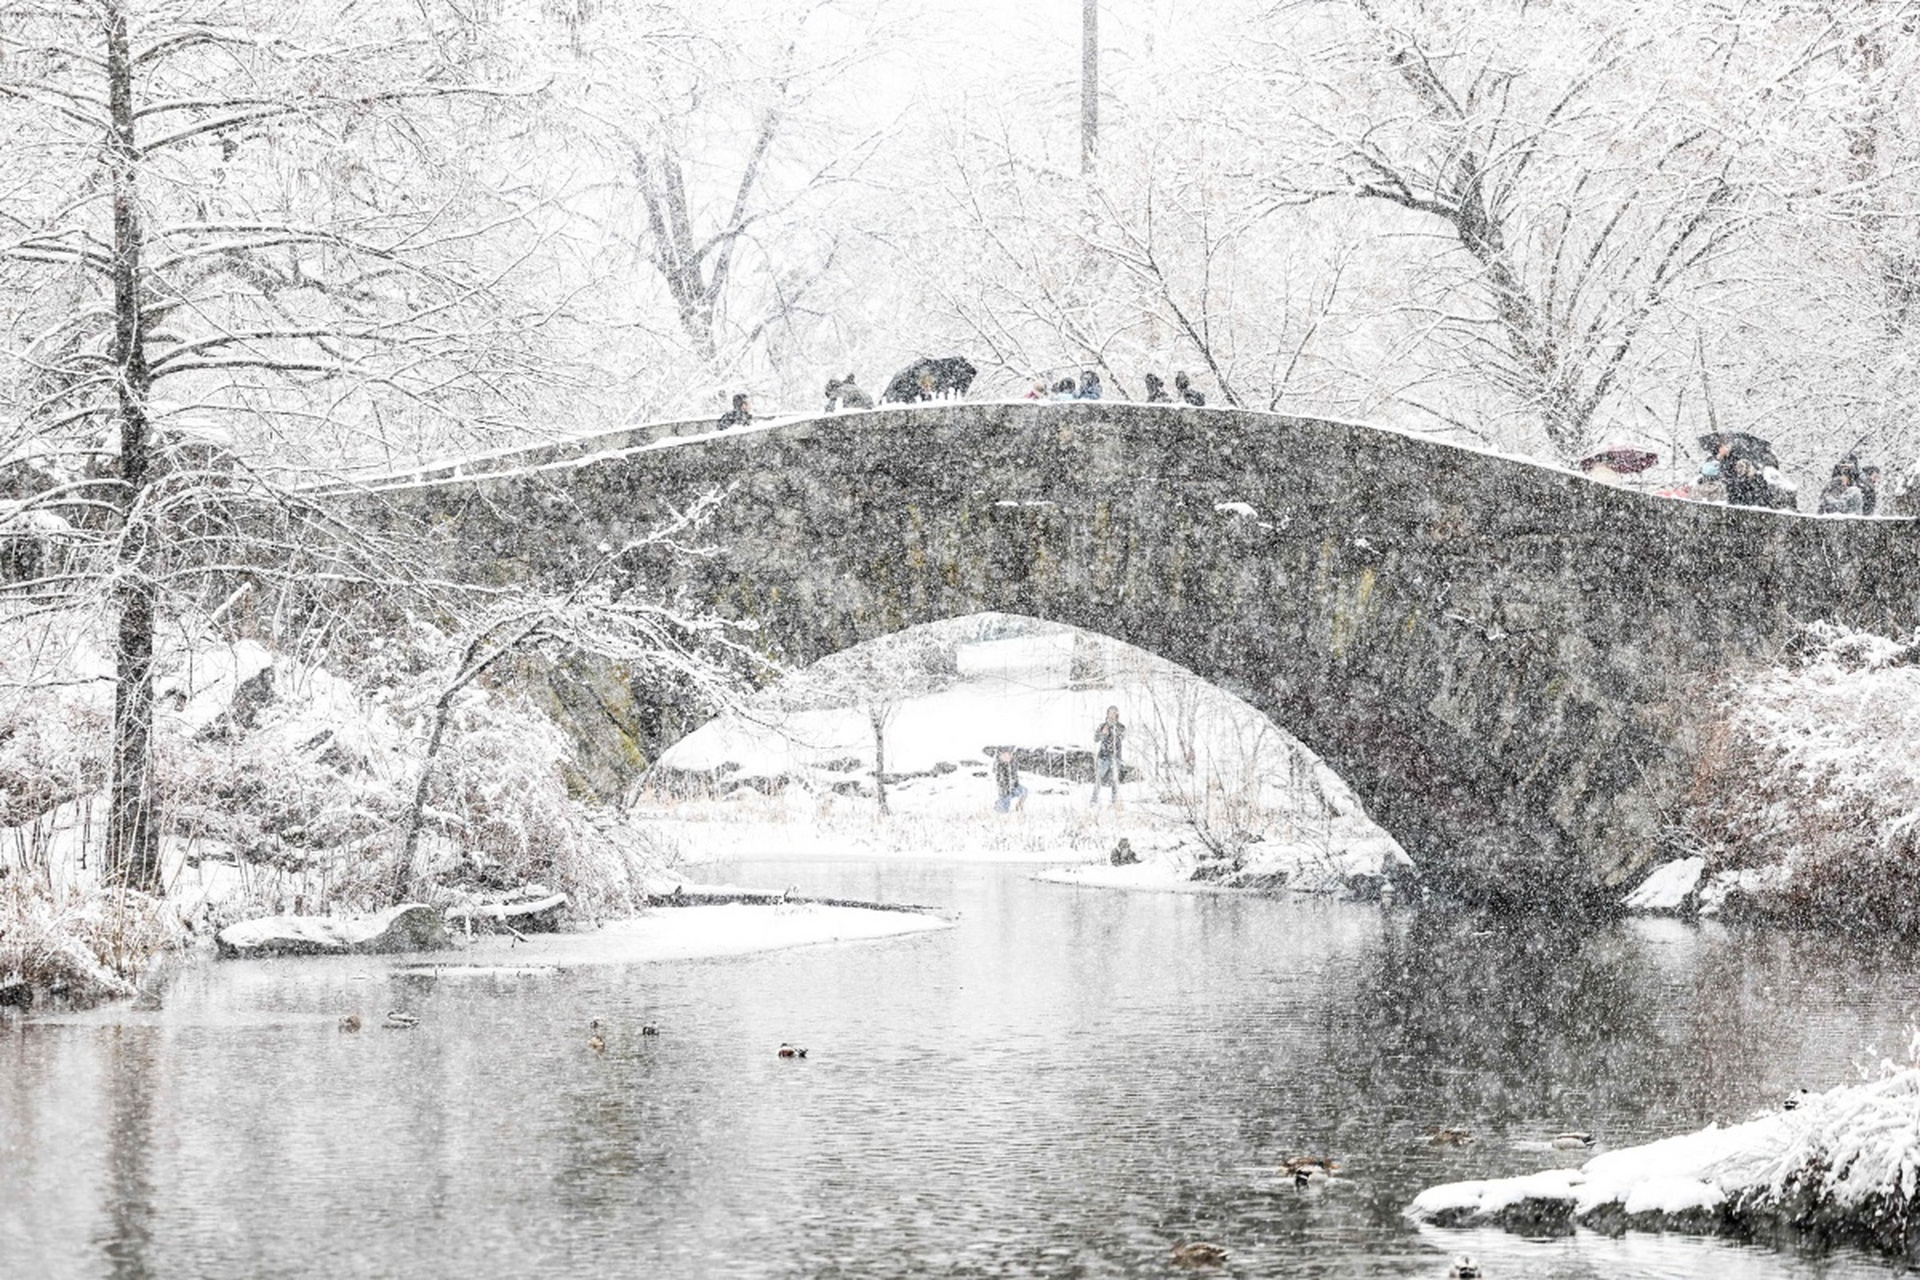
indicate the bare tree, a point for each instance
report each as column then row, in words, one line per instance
column 1581, row 217
column 250, row 253
column 693, row 653
column 720, row 156
column 878, row 678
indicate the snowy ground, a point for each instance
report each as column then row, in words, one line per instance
column 1845, row 1162
column 1209, row 769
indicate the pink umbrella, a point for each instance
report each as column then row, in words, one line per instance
column 1627, row 459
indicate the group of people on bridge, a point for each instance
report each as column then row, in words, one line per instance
column 1854, row 490
column 937, row 377
column 1090, row 388
column 1741, row 470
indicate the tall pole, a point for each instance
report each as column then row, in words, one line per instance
column 1089, row 83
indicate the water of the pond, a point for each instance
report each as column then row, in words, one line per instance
column 1067, row 1083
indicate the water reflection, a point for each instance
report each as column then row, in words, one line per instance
column 1066, row 1084
column 128, row 1195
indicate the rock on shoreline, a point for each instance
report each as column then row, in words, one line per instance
column 411, row 926
column 1843, row 1166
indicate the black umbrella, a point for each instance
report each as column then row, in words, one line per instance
column 1740, row 445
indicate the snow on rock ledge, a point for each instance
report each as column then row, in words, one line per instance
column 1844, row 1165
column 1667, row 888
column 411, row 926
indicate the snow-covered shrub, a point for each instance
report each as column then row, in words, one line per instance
column 53, row 736
column 86, row 944
column 271, row 802
column 1815, row 765
column 499, row 814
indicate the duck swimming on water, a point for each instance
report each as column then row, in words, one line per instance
column 1308, row 1171
column 1447, row 1137
column 400, row 1020
column 1199, row 1253
column 1575, row 1140
column 791, row 1051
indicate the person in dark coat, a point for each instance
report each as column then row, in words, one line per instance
column 843, row 394
column 741, row 413
column 1746, row 487
column 1842, row 497
column 1090, row 388
column 1185, row 388
column 1109, row 736
column 1064, row 390
column 930, row 378
column 1157, row 390
column 1869, row 490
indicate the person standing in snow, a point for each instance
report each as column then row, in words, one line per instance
column 1090, row 388
column 1185, row 388
column 1063, row 390
column 741, row 413
column 1109, row 736
column 1869, row 490
column 1006, row 781
column 1157, row 390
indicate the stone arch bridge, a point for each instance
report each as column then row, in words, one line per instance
column 1513, row 667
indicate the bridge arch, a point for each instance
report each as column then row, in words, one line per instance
column 1511, row 666
column 936, row 700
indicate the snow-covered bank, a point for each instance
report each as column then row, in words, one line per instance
column 1807, row 802
column 287, row 788
column 697, row 933
column 1842, row 1166
column 1359, row 866
column 84, row 944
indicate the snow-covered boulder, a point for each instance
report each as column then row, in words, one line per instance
column 1843, row 1165
column 411, row 926
column 1668, row 887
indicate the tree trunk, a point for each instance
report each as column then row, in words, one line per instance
column 417, row 812
column 473, row 663
column 879, row 722
column 1089, row 83
column 132, row 842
